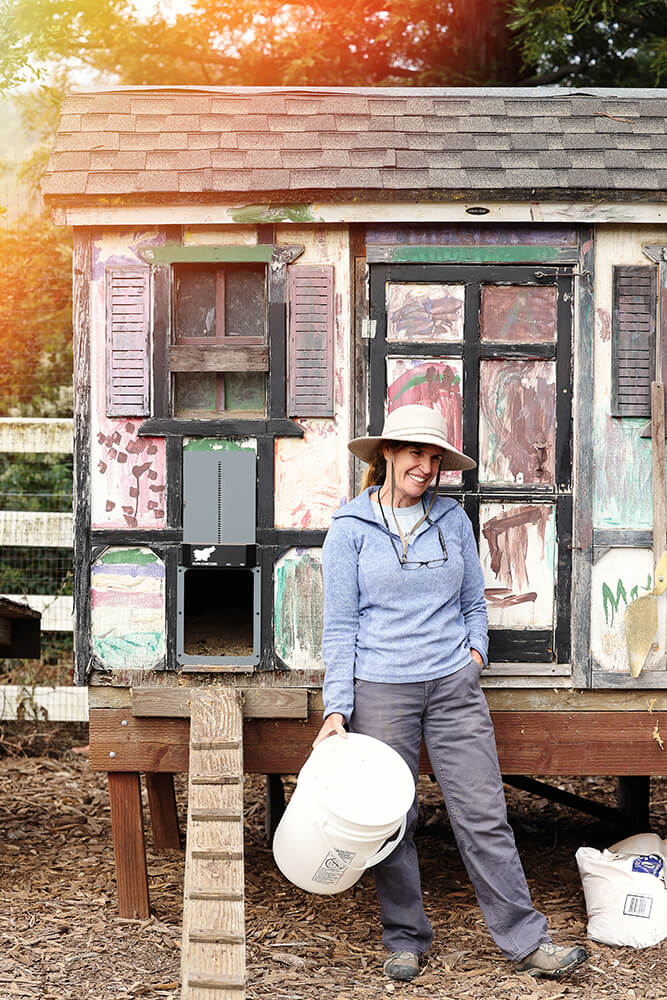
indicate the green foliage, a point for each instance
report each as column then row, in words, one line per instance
column 35, row 482
column 35, row 320
column 602, row 43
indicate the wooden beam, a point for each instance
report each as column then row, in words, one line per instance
column 501, row 254
column 176, row 253
column 164, row 814
column 34, row 435
column 257, row 703
column 528, row 210
column 128, row 844
column 539, row 743
column 219, row 358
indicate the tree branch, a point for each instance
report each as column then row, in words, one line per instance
column 545, row 78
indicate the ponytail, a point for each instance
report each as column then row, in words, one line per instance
column 376, row 470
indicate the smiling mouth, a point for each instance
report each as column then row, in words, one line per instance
column 418, row 479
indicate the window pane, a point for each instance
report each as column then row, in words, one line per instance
column 514, row 313
column 245, row 391
column 195, row 302
column 245, row 309
column 196, row 391
column 433, row 382
column 517, row 427
column 517, row 547
column 425, row 312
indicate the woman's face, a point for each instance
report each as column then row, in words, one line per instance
column 415, row 465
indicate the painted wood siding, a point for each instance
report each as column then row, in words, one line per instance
column 633, row 328
column 311, row 342
column 128, row 342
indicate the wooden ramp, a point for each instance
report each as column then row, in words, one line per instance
column 213, row 955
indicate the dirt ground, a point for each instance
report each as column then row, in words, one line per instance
column 60, row 936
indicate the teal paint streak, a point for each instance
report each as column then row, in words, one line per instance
column 174, row 253
column 622, row 463
column 299, row 603
column 132, row 557
column 216, row 444
column 262, row 214
column 475, row 255
column 133, row 649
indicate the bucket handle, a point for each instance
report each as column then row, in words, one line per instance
column 380, row 855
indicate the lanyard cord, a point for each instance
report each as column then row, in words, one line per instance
column 405, row 539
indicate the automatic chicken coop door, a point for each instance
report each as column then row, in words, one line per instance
column 218, row 579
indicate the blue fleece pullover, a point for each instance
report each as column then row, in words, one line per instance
column 384, row 623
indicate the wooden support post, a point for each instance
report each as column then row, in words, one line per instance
column 274, row 804
column 213, row 952
column 128, row 844
column 164, row 815
column 633, row 794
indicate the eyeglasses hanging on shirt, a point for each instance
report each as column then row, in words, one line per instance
column 403, row 561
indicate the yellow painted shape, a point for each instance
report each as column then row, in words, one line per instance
column 641, row 625
column 661, row 576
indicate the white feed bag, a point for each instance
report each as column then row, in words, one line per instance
column 625, row 891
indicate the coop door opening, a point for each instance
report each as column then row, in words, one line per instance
column 218, row 617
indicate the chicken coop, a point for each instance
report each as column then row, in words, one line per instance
column 261, row 274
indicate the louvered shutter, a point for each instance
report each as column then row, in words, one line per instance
column 128, row 342
column 311, row 342
column 633, row 346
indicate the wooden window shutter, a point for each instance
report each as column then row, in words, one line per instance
column 633, row 340
column 128, row 342
column 310, row 375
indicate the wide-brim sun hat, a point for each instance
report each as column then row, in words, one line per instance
column 418, row 424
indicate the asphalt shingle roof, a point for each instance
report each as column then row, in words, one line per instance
column 187, row 144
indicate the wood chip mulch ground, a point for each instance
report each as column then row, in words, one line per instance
column 60, row 937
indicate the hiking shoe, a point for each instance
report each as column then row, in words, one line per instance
column 551, row 960
column 402, row 965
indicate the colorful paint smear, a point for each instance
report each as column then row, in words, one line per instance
column 430, row 382
column 299, row 604
column 128, row 477
column 519, row 313
column 518, row 553
column 425, row 312
column 517, row 421
column 127, row 598
column 311, row 475
column 622, row 462
column 620, row 576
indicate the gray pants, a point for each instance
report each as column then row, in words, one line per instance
column 452, row 715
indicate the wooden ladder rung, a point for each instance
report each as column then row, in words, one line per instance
column 216, row 779
column 217, row 895
column 215, row 745
column 215, row 937
column 213, row 854
column 215, row 815
column 216, row 982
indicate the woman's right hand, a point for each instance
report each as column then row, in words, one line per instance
column 333, row 724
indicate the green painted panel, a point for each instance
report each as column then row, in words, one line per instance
column 174, row 253
column 133, row 650
column 478, row 255
column 216, row 444
column 263, row 214
column 134, row 557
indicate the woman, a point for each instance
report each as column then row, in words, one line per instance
column 405, row 641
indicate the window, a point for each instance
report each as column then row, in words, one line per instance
column 219, row 354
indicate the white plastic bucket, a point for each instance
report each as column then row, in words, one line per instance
column 347, row 813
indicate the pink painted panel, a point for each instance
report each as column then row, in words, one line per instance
column 517, row 421
column 431, row 382
column 128, row 477
column 519, row 313
column 425, row 312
